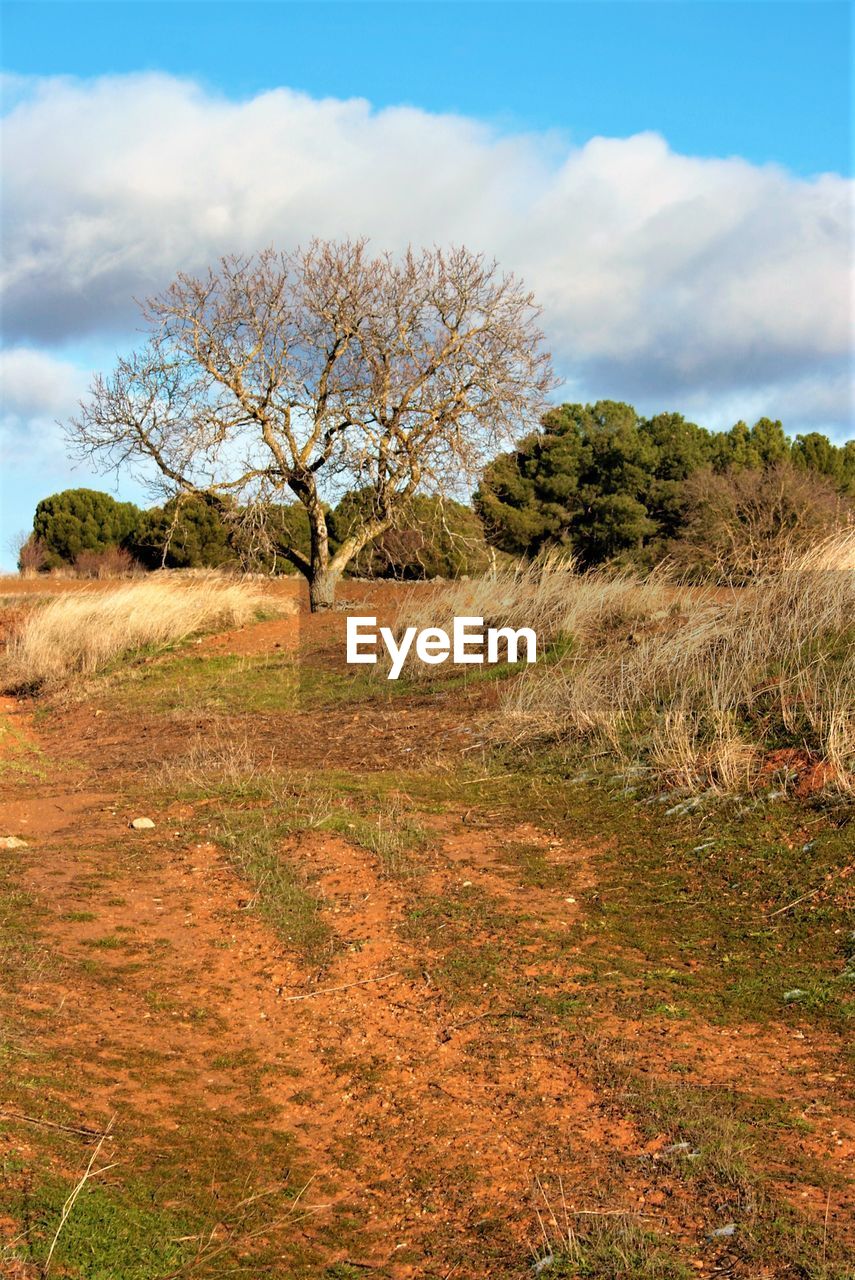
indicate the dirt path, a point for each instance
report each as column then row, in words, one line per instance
column 426, row 1099
column 381, row 1088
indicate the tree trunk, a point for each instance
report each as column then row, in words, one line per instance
column 322, row 587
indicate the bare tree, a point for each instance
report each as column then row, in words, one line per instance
column 30, row 553
column 741, row 524
column 323, row 369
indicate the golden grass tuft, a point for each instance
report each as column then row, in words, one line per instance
column 78, row 634
column 706, row 694
column 699, row 684
column 549, row 596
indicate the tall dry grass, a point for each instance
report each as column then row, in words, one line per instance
column 549, row 596
column 78, row 634
column 702, row 686
column 706, row 694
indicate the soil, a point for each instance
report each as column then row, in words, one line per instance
column 426, row 1117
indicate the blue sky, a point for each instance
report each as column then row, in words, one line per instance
column 764, row 80
column 669, row 177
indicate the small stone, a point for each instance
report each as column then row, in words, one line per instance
column 141, row 824
column 12, row 842
column 681, row 1149
column 728, row 1230
column 795, row 994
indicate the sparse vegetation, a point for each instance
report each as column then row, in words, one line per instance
column 279, row 893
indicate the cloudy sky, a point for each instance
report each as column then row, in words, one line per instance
column 670, row 178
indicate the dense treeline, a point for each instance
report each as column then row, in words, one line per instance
column 92, row 533
column 599, row 480
column 611, row 485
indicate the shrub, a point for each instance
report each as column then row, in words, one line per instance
column 114, row 562
column 741, row 524
column 32, row 555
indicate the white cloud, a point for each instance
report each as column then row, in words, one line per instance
column 666, row 279
column 37, row 384
column 40, row 391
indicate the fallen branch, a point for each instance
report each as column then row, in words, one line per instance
column 790, row 905
column 612, row 1213
column 832, row 875
column 52, row 1124
column 328, row 991
column 479, row 1017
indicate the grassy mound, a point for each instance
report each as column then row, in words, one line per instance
column 81, row 633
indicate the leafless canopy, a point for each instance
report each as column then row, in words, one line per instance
column 741, row 525
column 324, row 369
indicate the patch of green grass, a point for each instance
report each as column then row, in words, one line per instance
column 721, row 1141
column 534, row 867
column 109, row 1232
column 776, row 1234
column 159, row 1001
column 464, row 939
column 719, row 911
column 446, row 679
column 20, row 757
column 23, row 957
column 110, row 942
column 240, row 1059
column 616, row 1248
column 235, row 684
column 321, row 687
column 219, row 1196
column 560, row 1005
column 226, row 683
column 280, row 895
column 391, row 835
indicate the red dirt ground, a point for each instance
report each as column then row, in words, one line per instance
column 426, row 1121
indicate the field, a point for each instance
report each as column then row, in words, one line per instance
column 430, row 978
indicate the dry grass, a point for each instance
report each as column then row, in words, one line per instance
column 218, row 758
column 699, row 685
column 707, row 693
column 222, row 763
column 549, row 596
column 78, row 634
